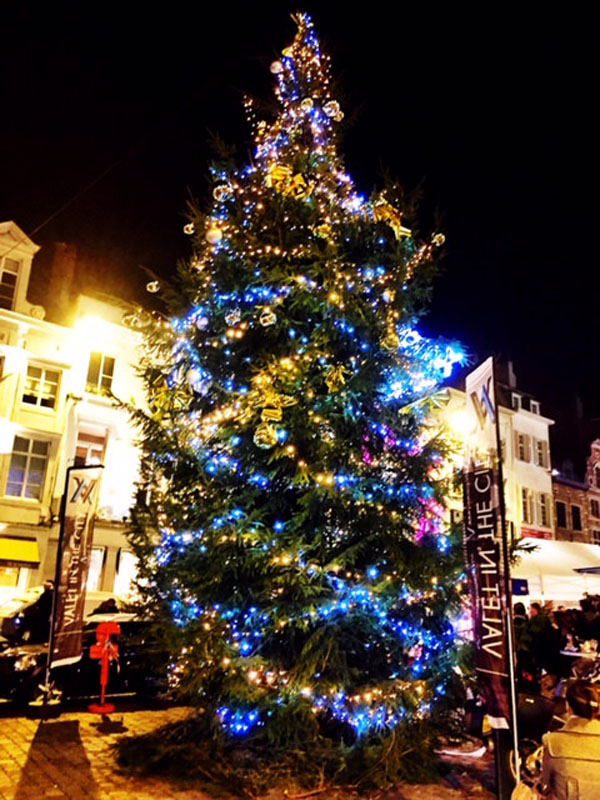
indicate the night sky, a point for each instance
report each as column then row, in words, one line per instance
column 493, row 107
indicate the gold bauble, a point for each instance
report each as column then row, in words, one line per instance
column 189, row 228
column 438, row 239
column 265, row 436
column 214, row 235
column 153, row 287
column 276, row 68
column 307, row 104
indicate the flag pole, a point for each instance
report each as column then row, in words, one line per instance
column 508, row 593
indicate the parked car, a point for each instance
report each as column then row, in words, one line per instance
column 140, row 669
column 25, row 618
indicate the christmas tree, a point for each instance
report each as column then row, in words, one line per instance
column 293, row 539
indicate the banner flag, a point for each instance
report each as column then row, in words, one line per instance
column 484, row 544
column 79, row 510
column 484, row 560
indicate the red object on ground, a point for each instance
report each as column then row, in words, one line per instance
column 106, row 651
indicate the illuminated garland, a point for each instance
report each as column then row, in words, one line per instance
column 298, row 372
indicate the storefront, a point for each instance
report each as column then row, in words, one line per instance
column 18, row 557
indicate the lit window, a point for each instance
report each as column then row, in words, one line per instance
column 595, row 508
column 523, row 446
column 100, row 373
column 544, row 510
column 89, row 449
column 576, row 517
column 95, row 569
column 9, row 272
column 27, row 468
column 541, row 453
column 527, row 505
column 41, row 387
column 126, row 573
column 561, row 514
column 595, row 536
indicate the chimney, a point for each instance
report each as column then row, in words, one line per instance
column 512, row 378
column 61, row 282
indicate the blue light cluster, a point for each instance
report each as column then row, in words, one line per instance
column 239, row 722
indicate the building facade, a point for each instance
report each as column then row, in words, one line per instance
column 577, row 503
column 56, row 410
column 525, row 442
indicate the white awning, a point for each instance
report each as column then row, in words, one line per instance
column 557, row 570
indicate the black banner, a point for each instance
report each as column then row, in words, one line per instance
column 487, row 583
column 80, row 504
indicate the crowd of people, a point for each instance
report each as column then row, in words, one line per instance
column 547, row 638
column 557, row 659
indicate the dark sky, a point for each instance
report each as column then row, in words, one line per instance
column 494, row 107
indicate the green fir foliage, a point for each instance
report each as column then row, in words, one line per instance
column 290, row 522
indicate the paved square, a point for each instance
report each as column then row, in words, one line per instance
column 72, row 758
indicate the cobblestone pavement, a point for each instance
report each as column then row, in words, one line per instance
column 72, row 758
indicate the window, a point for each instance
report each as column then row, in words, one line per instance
column 95, row 569
column 543, row 510
column 576, row 518
column 126, row 573
column 516, row 401
column 561, row 514
column 27, row 468
column 523, row 446
column 527, row 505
column 597, row 475
column 595, row 508
column 595, row 536
column 9, row 272
column 541, row 453
column 534, row 406
column 100, row 373
column 90, row 449
column 41, row 387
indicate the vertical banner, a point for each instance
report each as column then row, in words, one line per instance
column 484, row 561
column 485, row 545
column 75, row 547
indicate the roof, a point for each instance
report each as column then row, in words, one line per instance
column 19, row 237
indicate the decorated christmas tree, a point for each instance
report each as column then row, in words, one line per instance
column 293, row 540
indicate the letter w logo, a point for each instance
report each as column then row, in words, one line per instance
column 83, row 490
column 484, row 406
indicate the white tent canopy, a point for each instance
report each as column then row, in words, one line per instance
column 551, row 570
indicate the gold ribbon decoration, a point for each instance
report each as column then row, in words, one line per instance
column 335, row 378
column 281, row 178
column 271, row 414
column 384, row 212
column 277, row 176
column 265, row 436
column 391, row 341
